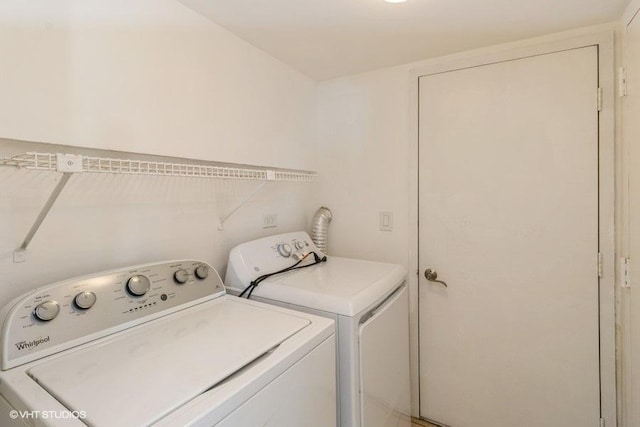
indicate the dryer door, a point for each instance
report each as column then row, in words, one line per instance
column 384, row 364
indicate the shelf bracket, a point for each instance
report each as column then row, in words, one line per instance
column 19, row 254
column 241, row 204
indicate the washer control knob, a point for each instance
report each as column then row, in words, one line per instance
column 47, row 310
column 181, row 276
column 85, row 300
column 202, row 271
column 138, row 285
column 299, row 245
column 284, row 250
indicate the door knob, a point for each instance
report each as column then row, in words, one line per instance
column 432, row 276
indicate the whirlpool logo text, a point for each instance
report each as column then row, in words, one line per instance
column 28, row 345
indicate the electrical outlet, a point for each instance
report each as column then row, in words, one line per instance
column 269, row 220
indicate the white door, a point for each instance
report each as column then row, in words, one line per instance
column 508, row 218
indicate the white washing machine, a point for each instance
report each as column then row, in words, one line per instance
column 162, row 344
column 368, row 301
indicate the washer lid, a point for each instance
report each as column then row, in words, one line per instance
column 143, row 374
column 341, row 285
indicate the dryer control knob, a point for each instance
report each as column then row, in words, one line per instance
column 138, row 285
column 202, row 271
column 85, row 300
column 299, row 245
column 47, row 310
column 181, row 276
column 284, row 250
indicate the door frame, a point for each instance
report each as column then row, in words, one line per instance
column 603, row 37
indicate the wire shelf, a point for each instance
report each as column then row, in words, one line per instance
column 49, row 161
column 69, row 164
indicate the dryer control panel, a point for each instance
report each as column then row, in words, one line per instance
column 252, row 259
column 68, row 313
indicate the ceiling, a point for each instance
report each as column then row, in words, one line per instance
column 329, row 38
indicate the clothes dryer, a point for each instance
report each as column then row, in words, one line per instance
column 369, row 302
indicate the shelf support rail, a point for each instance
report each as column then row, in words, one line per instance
column 19, row 254
column 241, row 204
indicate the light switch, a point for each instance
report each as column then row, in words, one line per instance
column 386, row 221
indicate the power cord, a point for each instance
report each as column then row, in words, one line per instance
column 254, row 284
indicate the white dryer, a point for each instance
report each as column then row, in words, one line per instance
column 162, row 344
column 368, row 301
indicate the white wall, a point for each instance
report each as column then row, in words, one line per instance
column 147, row 76
column 363, row 155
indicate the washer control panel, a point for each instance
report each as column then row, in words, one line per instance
column 71, row 312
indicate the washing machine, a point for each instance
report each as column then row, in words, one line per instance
column 162, row 344
column 367, row 300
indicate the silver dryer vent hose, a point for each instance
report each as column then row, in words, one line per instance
column 321, row 220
